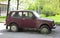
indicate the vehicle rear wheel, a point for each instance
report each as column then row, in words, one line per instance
column 45, row 29
column 13, row 28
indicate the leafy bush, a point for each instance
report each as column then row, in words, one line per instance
column 58, row 23
column 48, row 13
column 56, row 18
column 42, row 15
column 2, row 16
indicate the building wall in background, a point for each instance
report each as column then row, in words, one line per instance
column 3, row 9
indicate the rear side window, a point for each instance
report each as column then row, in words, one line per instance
column 16, row 14
column 25, row 14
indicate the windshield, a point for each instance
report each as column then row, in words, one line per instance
column 36, row 14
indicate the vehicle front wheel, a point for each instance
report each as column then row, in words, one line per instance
column 45, row 29
column 13, row 28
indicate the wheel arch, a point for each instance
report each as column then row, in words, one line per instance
column 13, row 23
column 44, row 24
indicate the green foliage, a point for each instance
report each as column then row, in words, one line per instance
column 2, row 18
column 46, row 7
column 51, row 6
column 42, row 15
column 2, row 0
column 32, row 5
column 56, row 18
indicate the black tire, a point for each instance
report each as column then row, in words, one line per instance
column 13, row 27
column 45, row 29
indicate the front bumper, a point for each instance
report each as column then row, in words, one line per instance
column 54, row 27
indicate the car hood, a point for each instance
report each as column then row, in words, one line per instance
column 46, row 19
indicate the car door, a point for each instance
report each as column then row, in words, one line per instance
column 28, row 21
column 17, row 18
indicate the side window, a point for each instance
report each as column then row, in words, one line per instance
column 13, row 13
column 20, row 13
column 16, row 14
column 30, row 15
column 25, row 14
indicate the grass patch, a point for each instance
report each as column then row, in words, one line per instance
column 2, row 18
column 56, row 18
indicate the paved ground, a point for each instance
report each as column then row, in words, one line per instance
column 5, row 34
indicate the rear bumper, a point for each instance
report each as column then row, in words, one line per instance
column 4, row 24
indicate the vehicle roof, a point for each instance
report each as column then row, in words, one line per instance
column 21, row 11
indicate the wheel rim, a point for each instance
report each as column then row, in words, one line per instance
column 44, row 30
column 13, row 28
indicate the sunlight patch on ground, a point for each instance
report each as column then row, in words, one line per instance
column 1, row 26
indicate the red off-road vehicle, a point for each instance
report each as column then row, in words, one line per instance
column 28, row 20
